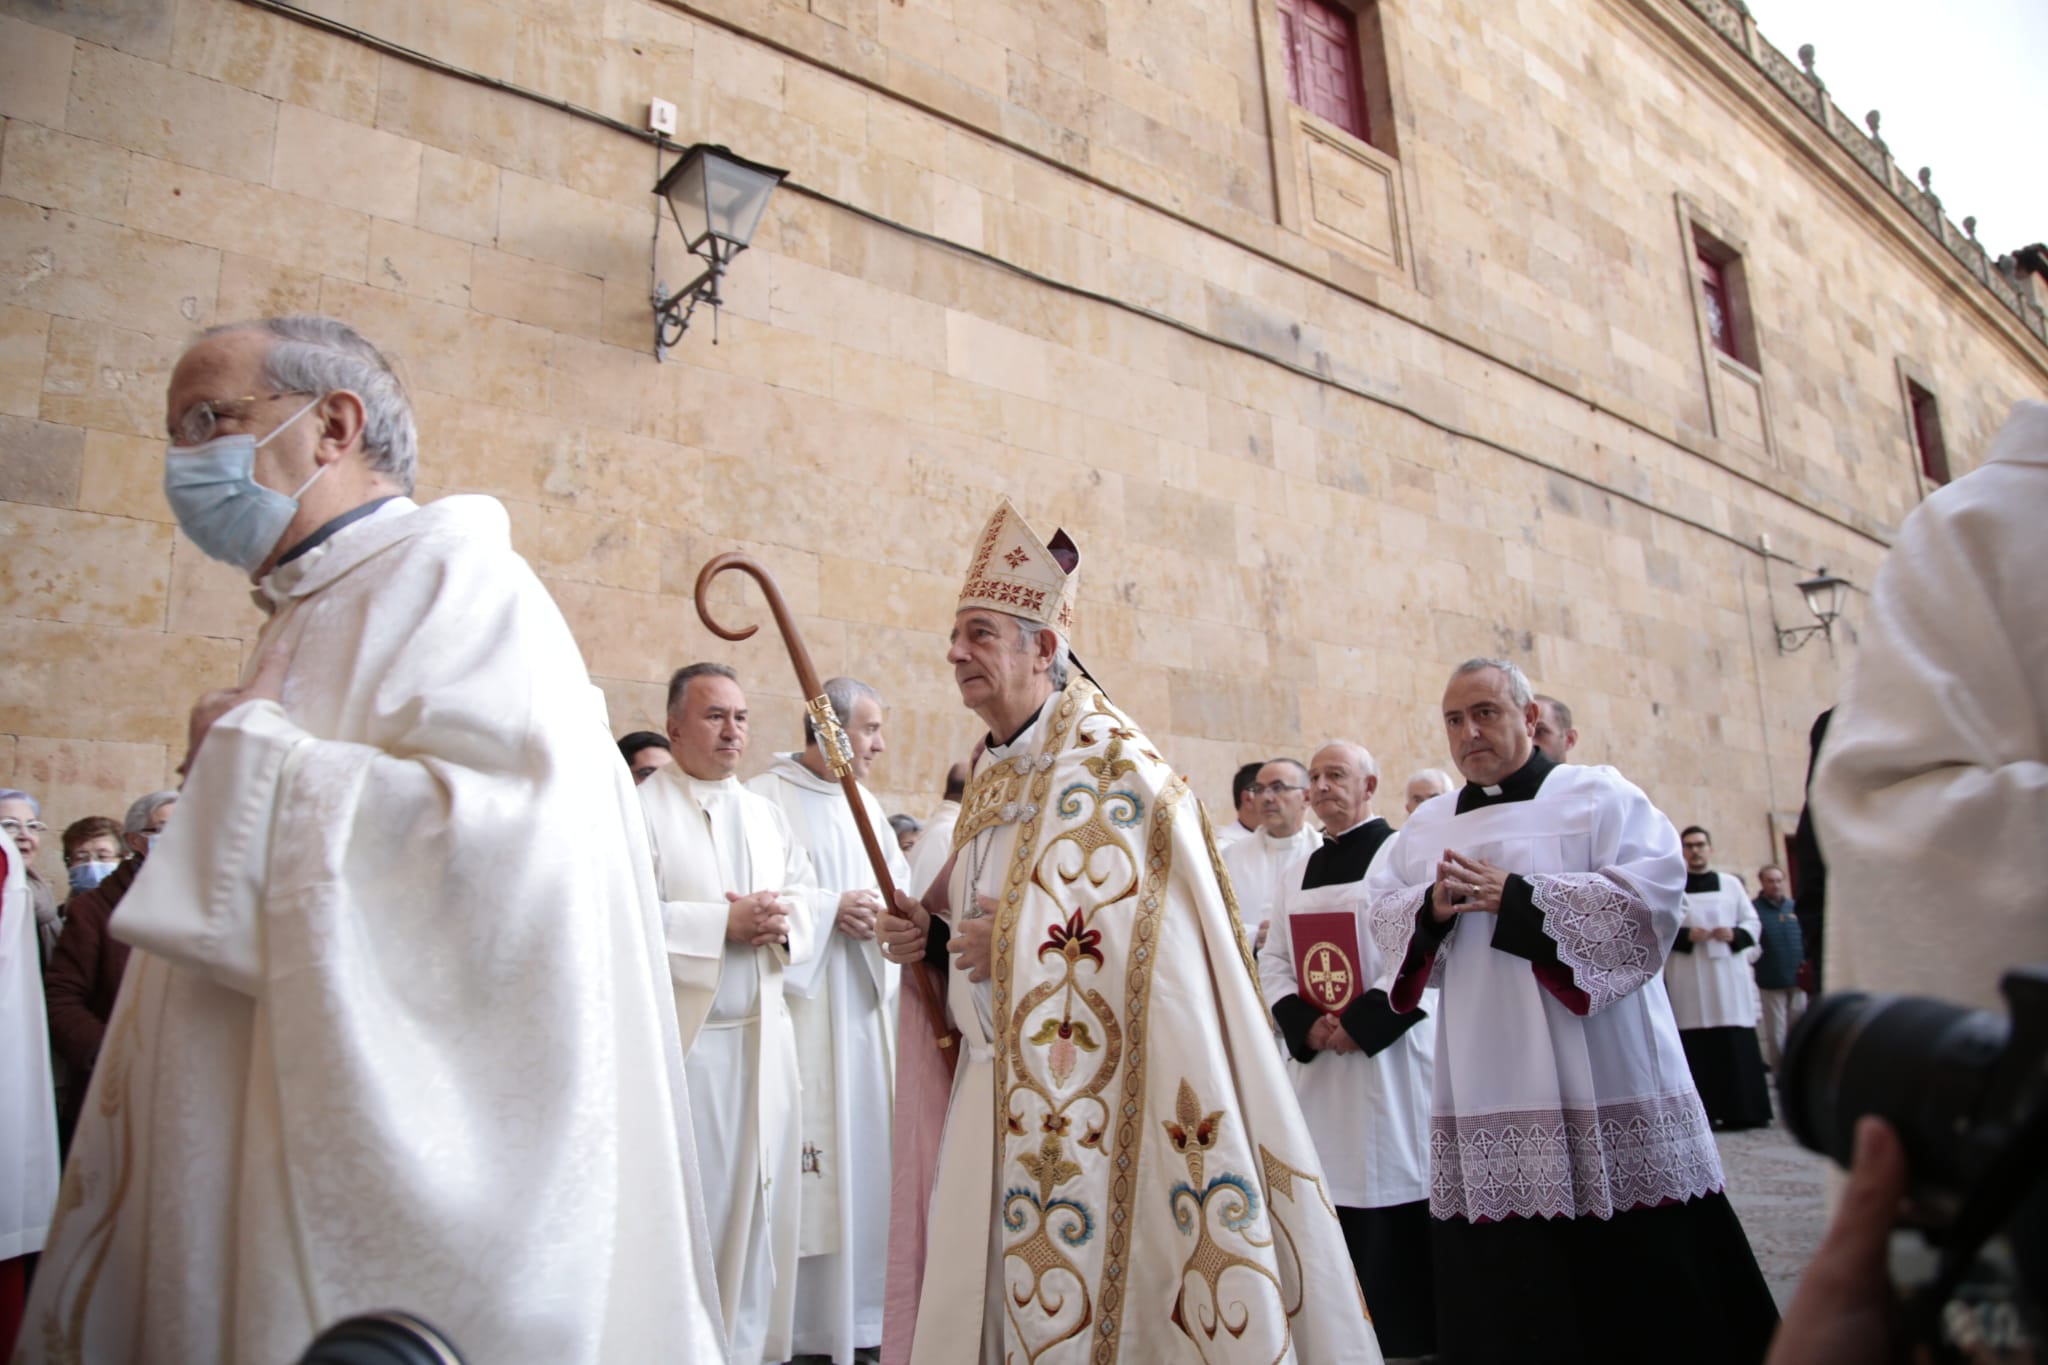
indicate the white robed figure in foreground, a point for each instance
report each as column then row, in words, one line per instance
column 842, row 1008
column 395, row 1035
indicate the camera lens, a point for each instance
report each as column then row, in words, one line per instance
column 389, row 1338
column 1921, row 1065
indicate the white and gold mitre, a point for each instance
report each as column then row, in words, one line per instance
column 1014, row 571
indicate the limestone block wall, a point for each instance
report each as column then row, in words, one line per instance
column 1048, row 248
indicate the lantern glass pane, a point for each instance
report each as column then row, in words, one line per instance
column 685, row 190
column 734, row 198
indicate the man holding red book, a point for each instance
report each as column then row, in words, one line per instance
column 1360, row 1070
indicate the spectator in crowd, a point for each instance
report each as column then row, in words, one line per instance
column 1425, row 784
column 1777, row 964
column 646, row 753
column 92, row 850
column 1555, row 734
column 86, row 967
column 907, row 829
column 1247, row 805
column 21, row 817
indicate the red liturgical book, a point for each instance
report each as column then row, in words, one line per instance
column 1326, row 959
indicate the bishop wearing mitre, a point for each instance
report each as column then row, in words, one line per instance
column 1116, row 1168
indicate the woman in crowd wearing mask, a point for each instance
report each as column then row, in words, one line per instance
column 92, row 849
column 84, row 974
column 21, row 818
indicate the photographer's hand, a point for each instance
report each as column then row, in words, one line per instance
column 1844, row 1311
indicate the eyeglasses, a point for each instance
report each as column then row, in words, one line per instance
column 196, row 427
column 88, row 854
column 17, row 828
column 1276, row 788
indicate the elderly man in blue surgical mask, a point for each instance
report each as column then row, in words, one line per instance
column 361, row 1063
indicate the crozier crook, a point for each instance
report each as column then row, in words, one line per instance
column 831, row 738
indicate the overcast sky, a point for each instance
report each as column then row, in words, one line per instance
column 1952, row 83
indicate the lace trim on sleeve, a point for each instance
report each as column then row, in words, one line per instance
column 1392, row 925
column 1603, row 934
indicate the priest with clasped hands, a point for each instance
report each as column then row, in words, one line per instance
column 739, row 905
column 1576, row 1203
column 397, row 1033
column 1114, row 1168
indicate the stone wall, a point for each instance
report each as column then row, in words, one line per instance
column 1060, row 249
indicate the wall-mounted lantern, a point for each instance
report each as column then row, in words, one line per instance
column 1823, row 594
column 716, row 200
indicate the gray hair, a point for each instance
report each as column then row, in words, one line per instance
column 844, row 694
column 16, row 794
column 1438, row 778
column 1519, row 691
column 679, row 684
column 1367, row 764
column 321, row 355
column 905, row 824
column 139, row 814
column 1062, row 668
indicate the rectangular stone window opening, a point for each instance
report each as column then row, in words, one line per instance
column 1724, row 297
column 1737, row 402
column 1335, row 60
column 1331, row 88
column 1926, row 415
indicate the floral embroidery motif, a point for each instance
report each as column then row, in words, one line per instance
column 1016, row 556
column 1191, row 1131
column 1226, row 1203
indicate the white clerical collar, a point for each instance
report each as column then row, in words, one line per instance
column 1491, row 791
column 1026, row 739
column 1340, row 833
column 714, row 789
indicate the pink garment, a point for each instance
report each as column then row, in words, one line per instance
column 924, row 1092
column 924, row 1085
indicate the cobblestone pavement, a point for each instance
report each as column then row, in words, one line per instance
column 1777, row 1188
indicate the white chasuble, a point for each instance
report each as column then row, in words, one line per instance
column 1125, row 1175
column 1369, row 1115
column 1931, row 793
column 711, row 837
column 28, row 1107
column 1256, row 866
column 396, row 1034
column 933, row 847
column 1712, row 986
column 1560, row 1090
column 842, row 1006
